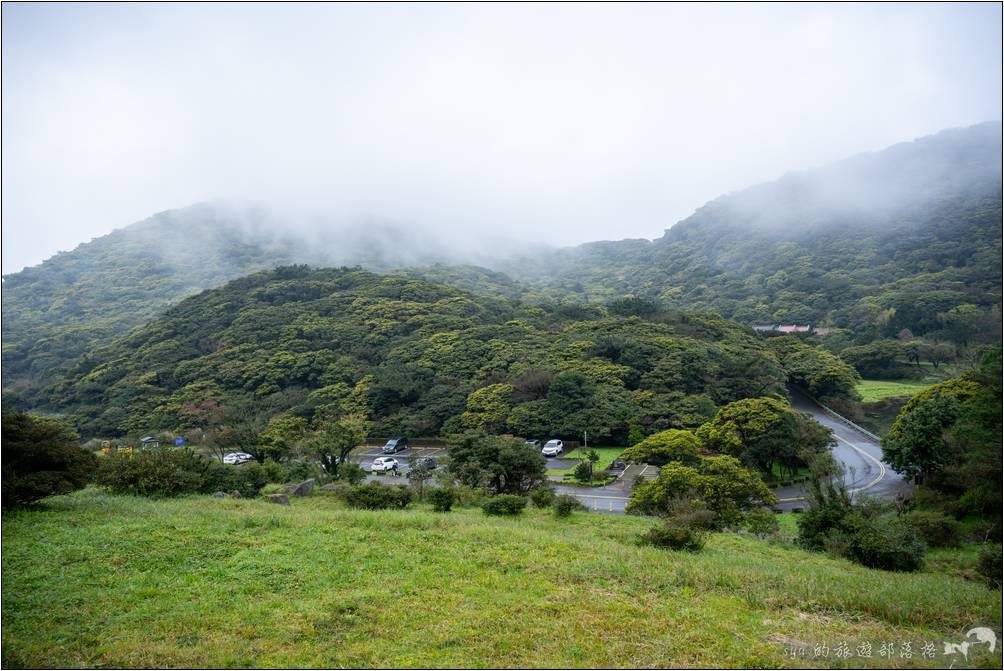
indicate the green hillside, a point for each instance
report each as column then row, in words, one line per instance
column 295, row 345
column 875, row 244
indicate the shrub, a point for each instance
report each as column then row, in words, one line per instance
column 298, row 471
column 442, row 499
column 374, row 496
column 937, row 529
column 761, row 522
column 542, row 497
column 274, row 471
column 167, row 472
column 468, row 496
column 583, row 472
column 675, row 537
column 867, row 532
column 248, row 479
column 504, row 504
column 988, row 566
column 830, row 504
column 351, row 473
column 160, row 473
column 40, row 457
column 885, row 542
column 566, row 504
column 930, row 499
column 691, row 513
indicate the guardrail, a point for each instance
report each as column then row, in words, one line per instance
column 837, row 416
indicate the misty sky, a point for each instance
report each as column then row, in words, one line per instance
column 557, row 123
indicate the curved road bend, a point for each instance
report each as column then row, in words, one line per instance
column 859, row 455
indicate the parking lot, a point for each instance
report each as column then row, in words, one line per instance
column 364, row 456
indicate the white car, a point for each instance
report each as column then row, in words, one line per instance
column 235, row 458
column 553, row 448
column 384, row 464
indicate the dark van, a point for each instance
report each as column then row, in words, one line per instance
column 395, row 445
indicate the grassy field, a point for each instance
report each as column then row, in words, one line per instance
column 607, row 455
column 96, row 580
column 876, row 390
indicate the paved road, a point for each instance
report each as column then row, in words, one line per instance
column 858, row 454
column 610, row 498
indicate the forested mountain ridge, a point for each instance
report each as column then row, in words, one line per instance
column 294, row 345
column 876, row 244
column 56, row 311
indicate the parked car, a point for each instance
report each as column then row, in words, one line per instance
column 617, row 465
column 235, row 458
column 553, row 448
column 384, row 464
column 395, row 445
column 425, row 462
column 535, row 444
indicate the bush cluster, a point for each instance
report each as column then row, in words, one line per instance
column 167, row 472
column 675, row 536
column 761, row 522
column 685, row 527
column 299, row 470
column 40, row 457
column 542, row 497
column 885, row 542
column 442, row 499
column 504, row 504
column 988, row 566
column 936, row 529
column 375, row 496
column 565, row 505
column 692, row 513
column 351, row 473
column 868, row 533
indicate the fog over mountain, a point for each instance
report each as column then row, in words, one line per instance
column 913, row 229
column 550, row 123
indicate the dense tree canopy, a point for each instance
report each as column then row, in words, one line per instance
column 949, row 436
column 268, row 361
column 908, row 239
column 721, row 483
column 765, row 432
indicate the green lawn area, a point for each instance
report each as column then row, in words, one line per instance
column 97, row 580
column 607, row 455
column 876, row 390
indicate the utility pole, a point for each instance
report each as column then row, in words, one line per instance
column 585, row 440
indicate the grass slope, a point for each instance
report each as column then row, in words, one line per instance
column 877, row 390
column 97, row 580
